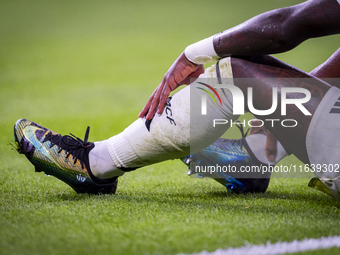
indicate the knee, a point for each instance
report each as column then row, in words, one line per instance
column 250, row 67
column 242, row 67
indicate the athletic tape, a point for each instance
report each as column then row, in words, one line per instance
column 202, row 52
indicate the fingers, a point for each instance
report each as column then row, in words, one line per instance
column 145, row 110
column 271, row 146
column 157, row 101
column 147, row 106
column 154, row 103
column 179, row 73
column 163, row 97
column 271, row 143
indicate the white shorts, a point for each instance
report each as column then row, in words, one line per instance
column 323, row 142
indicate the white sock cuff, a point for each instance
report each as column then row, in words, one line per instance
column 120, row 150
column 202, row 51
column 257, row 143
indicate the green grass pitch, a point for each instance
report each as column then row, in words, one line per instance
column 70, row 64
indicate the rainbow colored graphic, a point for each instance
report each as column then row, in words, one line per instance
column 208, row 92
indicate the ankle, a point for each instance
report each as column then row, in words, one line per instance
column 101, row 163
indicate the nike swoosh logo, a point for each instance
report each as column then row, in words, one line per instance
column 29, row 132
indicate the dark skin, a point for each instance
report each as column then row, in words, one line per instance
column 268, row 33
column 327, row 71
column 266, row 66
column 280, row 30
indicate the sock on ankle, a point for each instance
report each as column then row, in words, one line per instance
column 101, row 163
column 257, row 143
column 170, row 135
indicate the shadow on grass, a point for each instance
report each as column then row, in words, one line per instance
column 207, row 198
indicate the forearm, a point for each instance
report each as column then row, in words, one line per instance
column 280, row 30
column 267, row 33
column 271, row 32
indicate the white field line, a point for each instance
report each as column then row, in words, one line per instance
column 280, row 247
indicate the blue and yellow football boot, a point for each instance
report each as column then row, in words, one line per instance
column 65, row 157
column 231, row 163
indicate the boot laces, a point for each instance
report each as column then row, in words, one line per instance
column 71, row 144
column 240, row 141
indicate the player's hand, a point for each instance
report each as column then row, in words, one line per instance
column 271, row 148
column 179, row 73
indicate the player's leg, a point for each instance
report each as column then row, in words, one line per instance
column 168, row 144
column 167, row 136
column 313, row 140
column 94, row 167
column 223, row 149
column 250, row 72
column 328, row 71
column 323, row 71
column 171, row 135
column 176, row 133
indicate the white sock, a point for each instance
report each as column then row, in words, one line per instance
column 257, row 143
column 170, row 135
column 101, row 163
